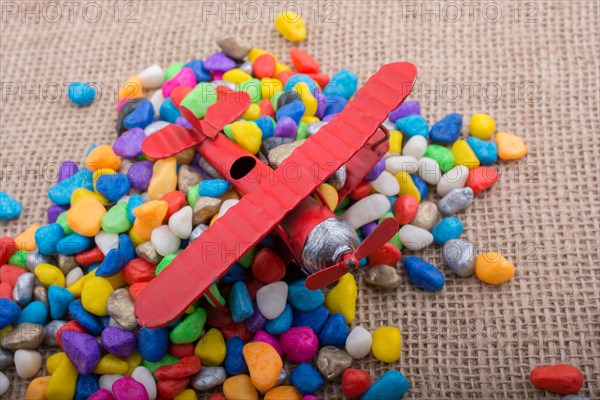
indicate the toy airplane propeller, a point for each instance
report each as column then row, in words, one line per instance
column 280, row 200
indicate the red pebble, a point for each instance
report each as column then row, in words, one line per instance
column 482, row 178
column 178, row 94
column 355, row 382
column 236, row 329
column 139, row 270
column 267, row 266
column 361, row 190
column 175, row 200
column 253, row 284
column 89, row 257
column 266, row 108
column 10, row 273
column 136, row 289
column 216, row 318
column 8, row 247
column 181, row 350
column 183, row 368
column 217, row 397
column 6, row 290
column 405, row 209
column 321, row 79
column 387, row 254
column 71, row 326
column 304, row 62
column 264, row 66
column 169, row 388
column 560, row 378
column 285, row 75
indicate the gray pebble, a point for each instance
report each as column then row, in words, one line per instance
column 389, row 125
column 282, row 377
column 120, row 308
column 382, row 276
column 246, row 67
column 209, row 169
column 187, row 177
column 273, row 142
column 573, row 397
column 147, row 251
column 205, row 208
column 6, row 358
column 313, row 128
column 456, row 201
column 50, row 332
column 25, row 336
column 332, row 362
column 125, row 164
column 280, row 153
column 34, row 258
column 40, row 294
column 208, row 378
column 66, row 263
column 197, row 232
column 23, row 291
column 234, row 47
column 459, row 255
column 338, row 179
column 427, row 215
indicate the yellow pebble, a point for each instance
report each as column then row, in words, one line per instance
column 187, row 394
column 62, row 383
column 396, row 142
column 133, row 361
column 387, row 344
column 132, row 88
column 270, row 86
column 342, row 298
column 211, row 348
column 80, row 193
column 279, row 68
column 283, row 393
column 135, row 237
column 464, row 155
column 76, row 287
column 309, row 119
column 101, row 157
column 307, row 97
column 212, row 221
column 236, row 76
column 291, row 26
column 94, row 295
column 239, row 387
column 510, row 146
column 407, row 185
column 330, row 194
column 85, row 216
column 186, row 156
column 482, row 126
column 493, row 268
column 164, row 178
column 54, row 361
column 252, row 112
column 5, row 331
column 110, row 364
column 247, row 135
column 49, row 274
column 37, row 388
column 26, row 240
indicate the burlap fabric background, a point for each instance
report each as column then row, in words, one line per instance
column 534, row 66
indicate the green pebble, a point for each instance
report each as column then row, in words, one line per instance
column 200, row 98
column 116, row 220
column 164, row 263
column 227, row 132
column 173, row 70
column 193, row 195
column 341, row 208
column 253, row 88
column 442, row 155
column 166, row 360
column 275, row 98
column 217, row 294
column 302, row 127
column 395, row 240
column 18, row 259
column 62, row 221
column 189, row 330
column 246, row 260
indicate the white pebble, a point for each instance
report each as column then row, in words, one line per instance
column 144, row 376
column 157, row 99
column 358, row 342
column 164, row 240
column 155, row 126
column 271, row 299
column 456, row 178
column 73, row 276
column 181, row 222
column 106, row 381
column 367, row 210
column 27, row 363
column 429, row 170
column 227, row 204
column 152, row 77
column 4, row 383
column 145, row 196
column 415, row 238
column 415, row 147
column 401, row 163
column 386, row 184
column 107, row 241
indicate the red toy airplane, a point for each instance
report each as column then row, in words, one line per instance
column 277, row 200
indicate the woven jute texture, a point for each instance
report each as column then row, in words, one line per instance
column 534, row 66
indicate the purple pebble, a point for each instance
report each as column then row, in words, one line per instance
column 183, row 122
column 129, row 144
column 286, row 127
column 127, row 388
column 82, row 349
column 328, row 118
column 101, row 394
column 256, row 322
column 321, row 104
column 139, row 174
column 54, row 211
column 219, row 62
column 405, row 109
column 262, row 336
column 119, row 342
column 367, row 229
column 67, row 169
column 376, row 171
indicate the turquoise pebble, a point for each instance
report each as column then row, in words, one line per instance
column 306, row 379
column 447, row 129
column 133, row 202
column 335, row 332
column 62, row 191
column 447, row 229
column 113, row 187
column 413, row 125
column 88, row 320
column 10, row 312
column 47, row 238
column 280, row 324
column 240, row 302
column 266, row 125
column 86, row 386
column 34, row 313
column 169, row 111
column 315, row 319
column 391, row 385
column 153, row 343
column 9, row 207
column 213, row 187
column 81, row 93
column 296, row 79
column 202, row 75
column 485, row 151
column 59, row 299
column 343, row 83
column 73, row 244
column 423, row 275
column 304, row 299
column 293, row 110
column 141, row 116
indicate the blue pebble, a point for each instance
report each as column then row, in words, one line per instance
column 113, row 263
column 234, row 359
column 141, row 117
column 35, row 313
column 485, row 151
column 213, row 187
column 413, row 125
column 235, row 274
column 86, row 386
column 306, row 379
column 105, row 321
column 296, row 79
column 10, row 312
column 421, row 186
column 73, row 244
column 81, row 93
column 9, row 207
column 88, row 320
column 153, row 344
column 315, row 319
column 202, row 75
column 294, row 110
column 47, row 238
column 447, row 129
column 59, row 299
column 391, row 385
column 304, row 299
column 134, row 201
column 335, row 103
column 343, row 83
column 126, row 247
column 266, row 125
column 169, row 111
column 62, row 191
column 113, row 187
column 335, row 331
column 447, row 229
column 423, row 275
column 240, row 302
column 280, row 324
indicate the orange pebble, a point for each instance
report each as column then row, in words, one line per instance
column 493, row 268
column 132, row 88
column 37, row 388
column 26, row 240
column 264, row 364
column 510, row 146
column 101, row 157
column 283, row 393
column 85, row 216
column 239, row 387
column 148, row 217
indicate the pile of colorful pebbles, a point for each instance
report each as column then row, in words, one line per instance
column 118, row 220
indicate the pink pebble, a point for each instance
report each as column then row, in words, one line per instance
column 218, row 75
column 262, row 336
column 300, row 344
column 102, row 394
column 127, row 388
column 310, row 397
column 185, row 77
